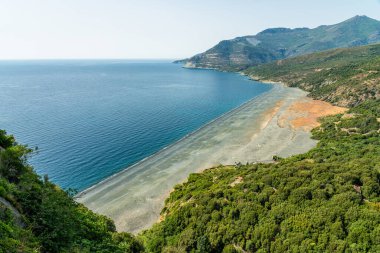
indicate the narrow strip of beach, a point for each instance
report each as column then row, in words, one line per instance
column 276, row 123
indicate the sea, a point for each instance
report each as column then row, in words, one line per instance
column 90, row 119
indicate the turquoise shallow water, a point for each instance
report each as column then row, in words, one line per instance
column 91, row 119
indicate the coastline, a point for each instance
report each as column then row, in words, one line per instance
column 134, row 197
column 104, row 181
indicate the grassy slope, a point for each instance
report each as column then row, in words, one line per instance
column 344, row 77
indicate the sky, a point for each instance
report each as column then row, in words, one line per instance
column 153, row 29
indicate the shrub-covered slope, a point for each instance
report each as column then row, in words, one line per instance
column 37, row 216
column 344, row 77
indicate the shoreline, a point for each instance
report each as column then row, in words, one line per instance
column 134, row 197
column 104, row 181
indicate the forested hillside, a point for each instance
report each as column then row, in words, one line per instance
column 37, row 216
column 344, row 77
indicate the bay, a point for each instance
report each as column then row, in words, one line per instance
column 92, row 118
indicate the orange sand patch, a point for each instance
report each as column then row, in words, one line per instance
column 304, row 114
column 268, row 115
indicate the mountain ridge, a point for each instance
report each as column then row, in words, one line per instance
column 345, row 76
column 280, row 43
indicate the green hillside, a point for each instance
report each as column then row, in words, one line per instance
column 280, row 43
column 37, row 216
column 344, row 77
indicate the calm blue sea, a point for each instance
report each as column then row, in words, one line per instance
column 91, row 119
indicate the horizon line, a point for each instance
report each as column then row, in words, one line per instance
column 88, row 59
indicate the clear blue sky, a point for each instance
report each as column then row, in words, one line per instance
column 41, row 29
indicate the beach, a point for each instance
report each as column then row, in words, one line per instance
column 275, row 123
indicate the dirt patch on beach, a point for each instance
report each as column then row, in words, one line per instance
column 304, row 114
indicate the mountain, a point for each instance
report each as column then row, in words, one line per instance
column 344, row 77
column 280, row 43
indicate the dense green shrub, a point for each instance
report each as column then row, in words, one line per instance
column 346, row 77
column 52, row 220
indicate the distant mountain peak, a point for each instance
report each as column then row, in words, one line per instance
column 276, row 30
column 280, row 43
column 361, row 18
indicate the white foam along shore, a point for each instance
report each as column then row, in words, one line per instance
column 134, row 197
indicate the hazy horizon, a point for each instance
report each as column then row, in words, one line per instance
column 152, row 30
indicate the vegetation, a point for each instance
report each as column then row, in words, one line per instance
column 345, row 77
column 281, row 43
column 327, row 200
column 50, row 220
